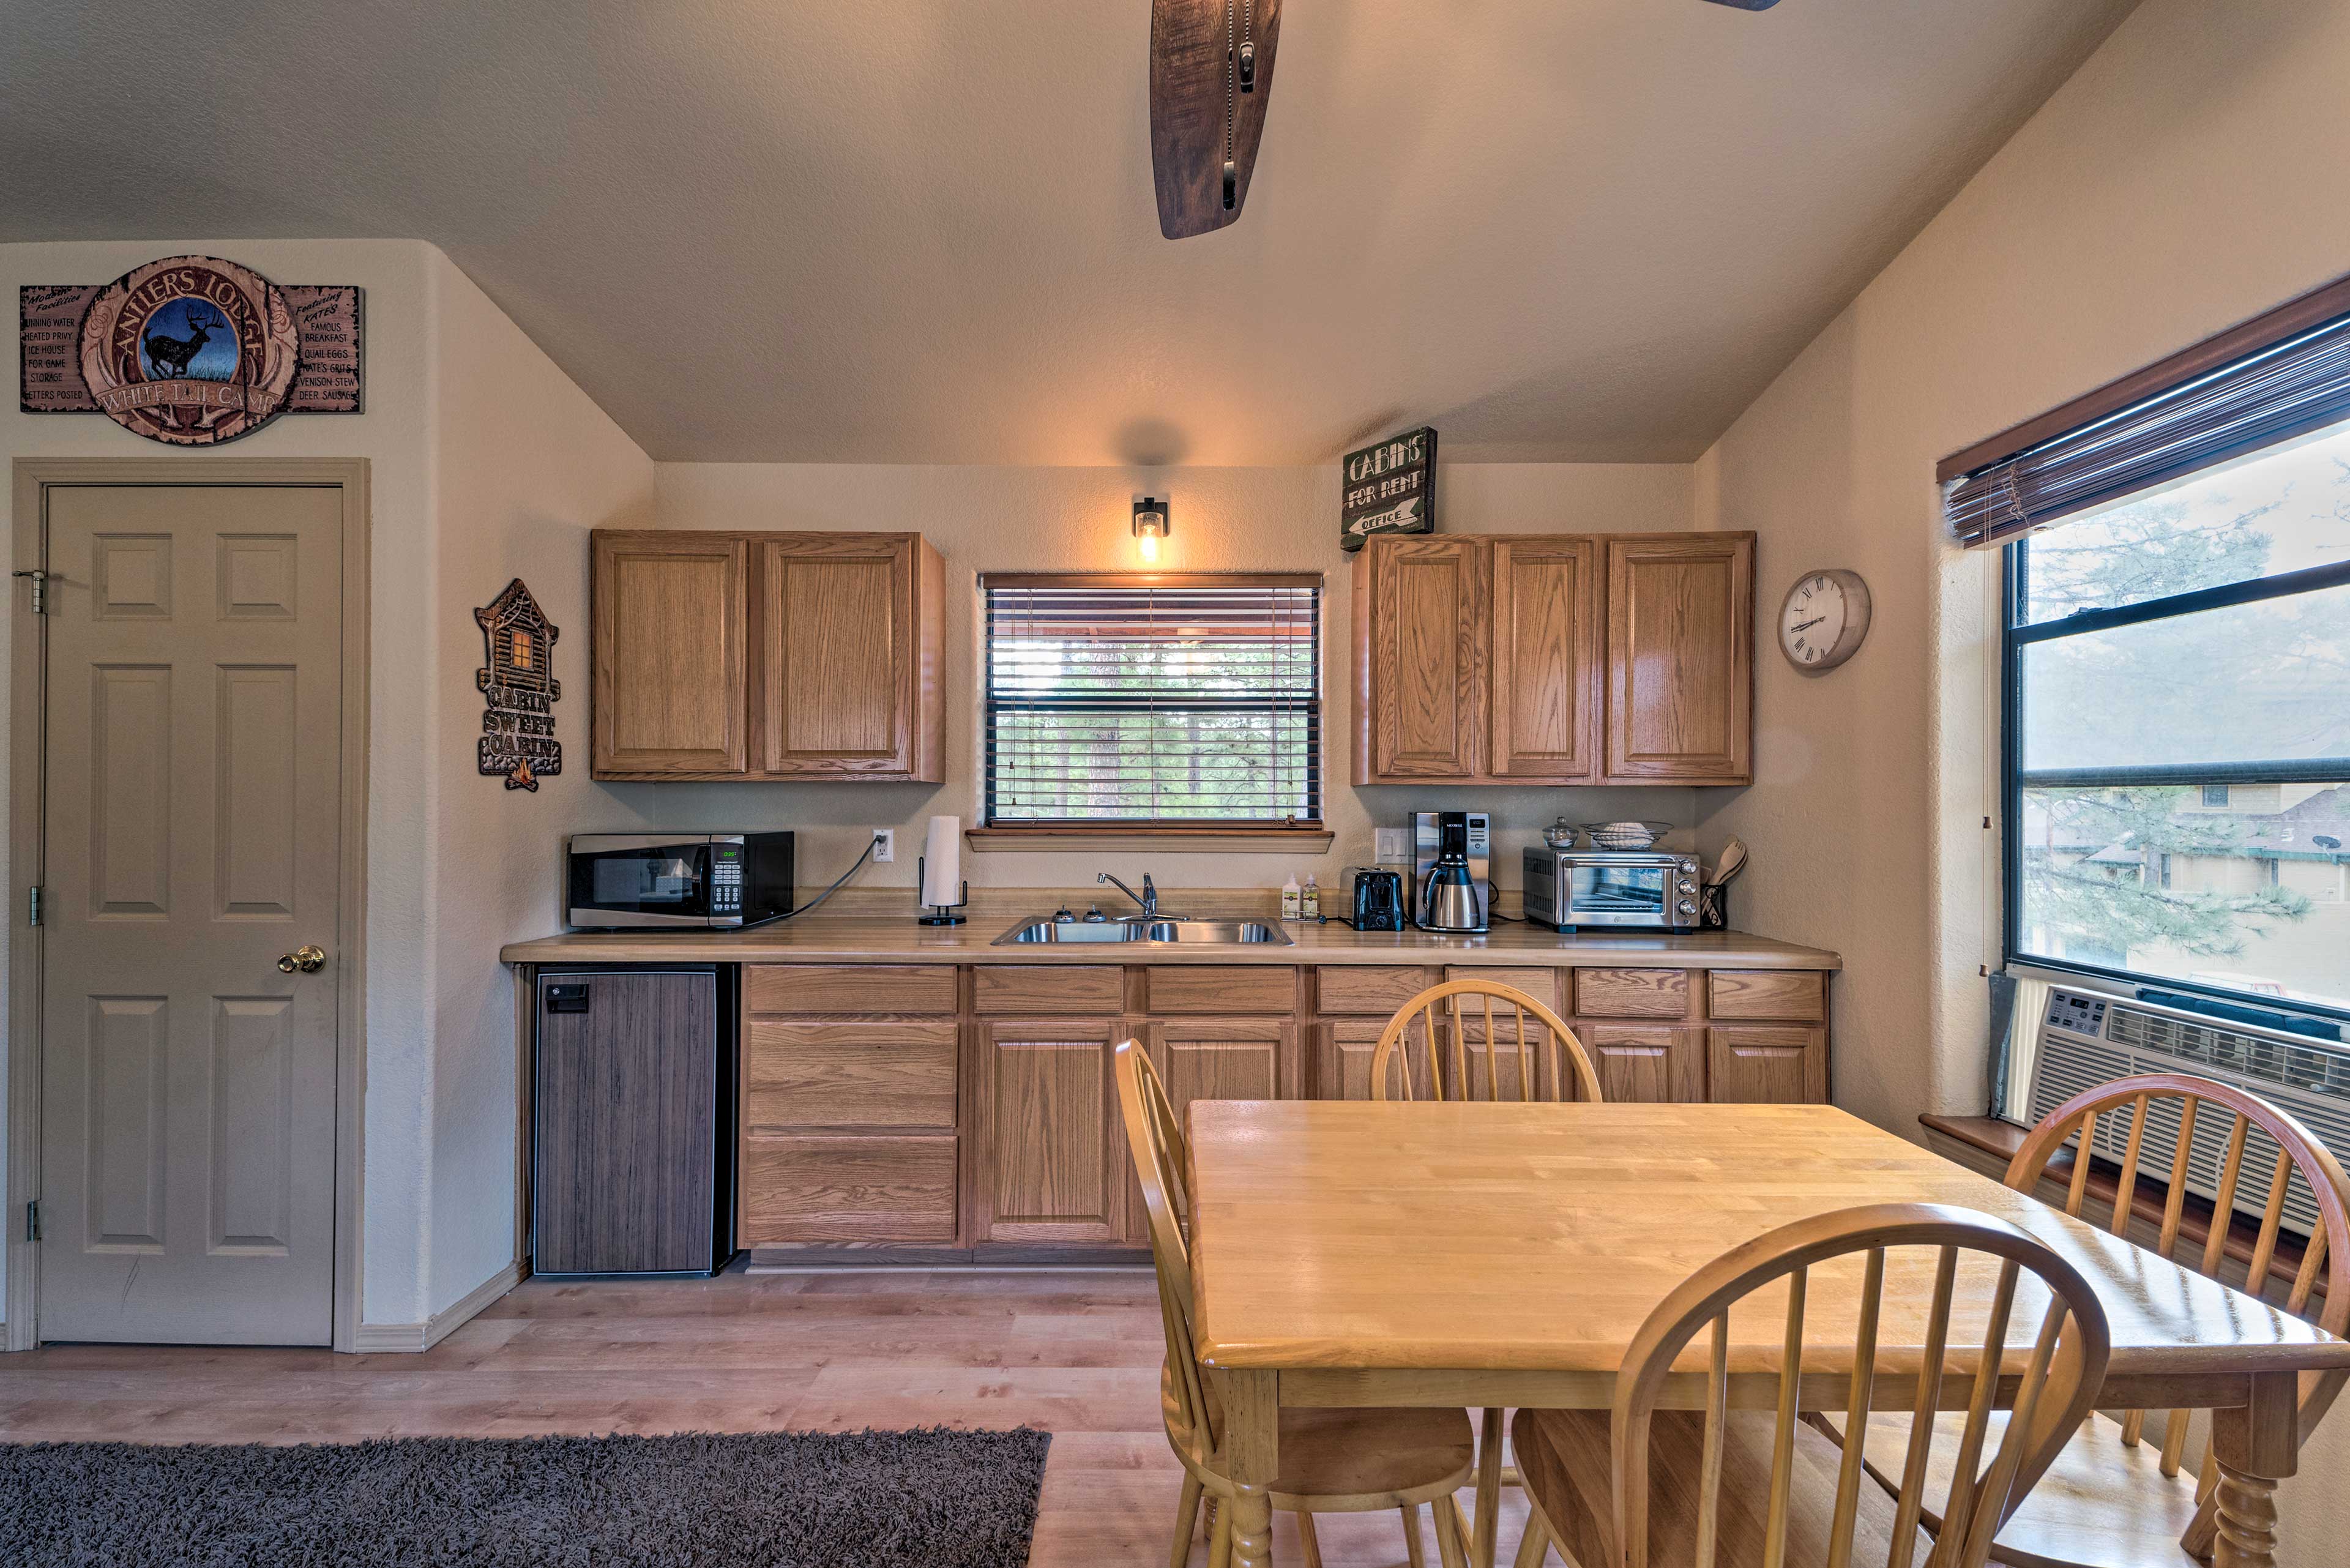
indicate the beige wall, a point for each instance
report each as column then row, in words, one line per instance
column 1223, row 519
column 525, row 465
column 484, row 464
column 2185, row 178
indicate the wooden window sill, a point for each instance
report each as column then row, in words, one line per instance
column 1989, row 1136
column 1156, row 840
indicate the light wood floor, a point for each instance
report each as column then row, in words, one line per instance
column 1076, row 1353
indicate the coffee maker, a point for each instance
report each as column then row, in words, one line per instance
column 1452, row 855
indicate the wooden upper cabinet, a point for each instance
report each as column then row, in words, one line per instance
column 1546, row 669
column 667, row 664
column 1554, row 660
column 767, row 655
column 1419, row 657
column 1680, row 658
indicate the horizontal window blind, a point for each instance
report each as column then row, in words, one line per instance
column 1188, row 701
column 2277, row 392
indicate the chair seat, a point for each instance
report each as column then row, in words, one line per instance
column 1350, row 1461
column 1565, row 1458
column 2100, row 1505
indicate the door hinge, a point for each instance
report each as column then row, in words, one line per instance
column 32, row 906
column 40, row 589
column 33, row 1220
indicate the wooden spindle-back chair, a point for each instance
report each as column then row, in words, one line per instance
column 1642, row 1487
column 1332, row 1461
column 2109, row 1502
column 1449, row 1042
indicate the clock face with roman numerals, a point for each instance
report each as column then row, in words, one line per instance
column 1823, row 618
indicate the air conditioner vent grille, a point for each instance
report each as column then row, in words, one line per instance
column 2310, row 1081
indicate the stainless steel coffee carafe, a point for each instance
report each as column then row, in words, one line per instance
column 1449, row 898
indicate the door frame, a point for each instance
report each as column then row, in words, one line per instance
column 27, row 733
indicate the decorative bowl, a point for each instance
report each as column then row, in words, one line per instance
column 1625, row 836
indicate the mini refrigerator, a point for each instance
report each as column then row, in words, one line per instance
column 633, row 1146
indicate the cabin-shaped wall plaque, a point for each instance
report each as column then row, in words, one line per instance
column 518, row 740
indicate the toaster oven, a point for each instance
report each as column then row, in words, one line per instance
column 1600, row 889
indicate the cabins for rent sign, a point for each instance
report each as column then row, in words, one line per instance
column 1389, row 487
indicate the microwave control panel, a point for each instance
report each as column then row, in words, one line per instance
column 725, row 879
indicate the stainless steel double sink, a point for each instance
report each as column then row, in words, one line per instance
column 1144, row 930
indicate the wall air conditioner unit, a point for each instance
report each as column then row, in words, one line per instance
column 2090, row 1037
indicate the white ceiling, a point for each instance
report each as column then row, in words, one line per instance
column 921, row 230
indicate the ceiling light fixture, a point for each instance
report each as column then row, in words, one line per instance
column 1150, row 526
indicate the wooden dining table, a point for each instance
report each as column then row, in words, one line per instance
column 1486, row 1255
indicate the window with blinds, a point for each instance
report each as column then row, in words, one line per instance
column 1159, row 701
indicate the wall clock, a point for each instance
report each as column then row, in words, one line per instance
column 1823, row 620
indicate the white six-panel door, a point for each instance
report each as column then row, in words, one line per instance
column 191, row 840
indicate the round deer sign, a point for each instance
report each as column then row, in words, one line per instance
column 191, row 350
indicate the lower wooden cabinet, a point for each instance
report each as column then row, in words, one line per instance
column 1048, row 1159
column 1767, row 1063
column 1651, row 1064
column 914, row 1107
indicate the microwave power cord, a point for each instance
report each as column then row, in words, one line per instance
column 870, row 845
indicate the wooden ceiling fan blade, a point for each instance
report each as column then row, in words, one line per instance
column 1200, row 108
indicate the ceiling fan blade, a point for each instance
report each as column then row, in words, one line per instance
column 1191, row 76
column 1748, row 5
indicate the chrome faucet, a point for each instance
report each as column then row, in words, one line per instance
column 1148, row 897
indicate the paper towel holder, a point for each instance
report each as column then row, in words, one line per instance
column 939, row 914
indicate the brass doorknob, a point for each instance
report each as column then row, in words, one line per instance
column 308, row 958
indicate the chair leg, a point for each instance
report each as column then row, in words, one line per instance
column 1534, row 1546
column 1489, row 1488
column 1452, row 1536
column 1219, row 1541
column 1309, row 1548
column 1415, row 1551
column 1186, row 1522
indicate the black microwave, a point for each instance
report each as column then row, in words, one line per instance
column 695, row 880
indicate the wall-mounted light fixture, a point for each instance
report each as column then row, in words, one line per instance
column 1150, row 526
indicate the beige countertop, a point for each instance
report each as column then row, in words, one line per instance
column 827, row 938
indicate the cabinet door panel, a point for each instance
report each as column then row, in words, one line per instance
column 1545, row 688
column 1054, row 1146
column 1425, row 651
column 838, row 664
column 1646, row 1063
column 668, row 625
column 1342, row 1065
column 1757, row 1063
column 1680, row 658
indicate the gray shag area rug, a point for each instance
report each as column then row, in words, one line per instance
column 782, row 1499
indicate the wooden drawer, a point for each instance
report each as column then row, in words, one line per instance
column 849, row 986
column 897, row 1073
column 1632, row 993
column 1542, row 984
column 1030, row 990
column 1369, row 988
column 1795, row 993
column 849, row 1189
column 1220, row 987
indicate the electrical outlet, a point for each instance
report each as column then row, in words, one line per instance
column 885, row 846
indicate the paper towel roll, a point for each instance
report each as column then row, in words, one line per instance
column 942, row 862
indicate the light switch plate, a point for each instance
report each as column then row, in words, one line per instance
column 1393, row 843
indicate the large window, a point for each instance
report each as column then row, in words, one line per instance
column 1163, row 700
column 2177, row 695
